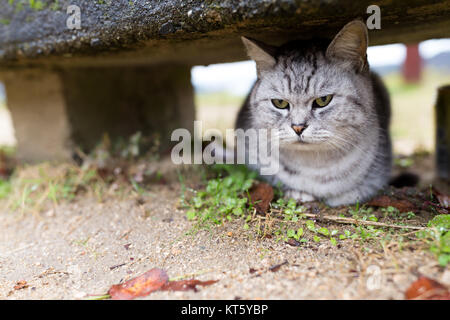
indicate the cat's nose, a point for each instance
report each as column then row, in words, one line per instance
column 299, row 128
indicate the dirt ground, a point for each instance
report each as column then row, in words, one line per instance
column 82, row 247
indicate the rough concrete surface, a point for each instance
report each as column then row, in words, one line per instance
column 38, row 111
column 122, row 101
column 54, row 111
column 207, row 31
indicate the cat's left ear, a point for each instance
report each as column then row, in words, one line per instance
column 261, row 53
column 350, row 46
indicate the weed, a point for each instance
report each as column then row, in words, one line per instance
column 30, row 187
column 5, row 188
column 438, row 237
column 361, row 212
column 223, row 197
column 55, row 5
column 36, row 4
column 34, row 188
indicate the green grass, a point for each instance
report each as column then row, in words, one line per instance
column 438, row 236
column 5, row 188
column 225, row 197
column 55, row 5
column 412, row 125
column 218, row 99
column 295, row 226
column 35, row 188
column 36, row 4
column 222, row 199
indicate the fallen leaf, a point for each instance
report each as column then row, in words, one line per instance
column 143, row 285
column 293, row 242
column 427, row 289
column 153, row 280
column 22, row 284
column 386, row 201
column 260, row 196
column 185, row 285
column 444, row 199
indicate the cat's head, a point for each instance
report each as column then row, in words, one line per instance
column 318, row 94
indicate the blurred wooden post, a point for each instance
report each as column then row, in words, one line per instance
column 443, row 133
column 412, row 67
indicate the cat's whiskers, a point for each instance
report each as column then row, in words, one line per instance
column 348, row 161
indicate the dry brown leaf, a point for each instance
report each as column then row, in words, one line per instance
column 185, row 285
column 386, row 201
column 444, row 199
column 427, row 289
column 143, row 285
column 293, row 242
column 22, row 284
column 153, row 280
column 260, row 196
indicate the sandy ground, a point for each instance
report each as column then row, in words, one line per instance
column 84, row 247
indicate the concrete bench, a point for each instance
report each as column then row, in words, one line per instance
column 124, row 66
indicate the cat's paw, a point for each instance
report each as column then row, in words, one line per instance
column 298, row 196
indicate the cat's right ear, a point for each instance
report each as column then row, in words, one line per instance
column 261, row 53
column 350, row 45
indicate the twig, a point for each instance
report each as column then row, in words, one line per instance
column 277, row 267
column 355, row 221
column 117, row 266
column 365, row 222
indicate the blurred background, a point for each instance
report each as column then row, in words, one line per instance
column 412, row 74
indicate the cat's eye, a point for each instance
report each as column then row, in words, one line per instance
column 322, row 101
column 280, row 104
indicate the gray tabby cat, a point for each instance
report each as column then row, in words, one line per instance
column 331, row 112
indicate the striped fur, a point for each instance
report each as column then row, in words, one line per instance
column 344, row 155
